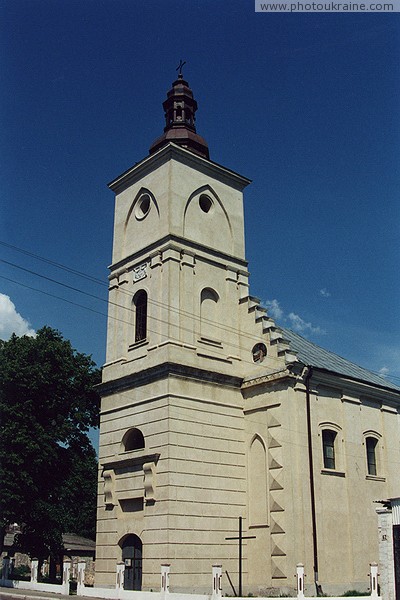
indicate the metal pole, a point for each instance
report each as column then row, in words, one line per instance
column 307, row 380
column 231, row 584
column 240, row 538
column 240, row 557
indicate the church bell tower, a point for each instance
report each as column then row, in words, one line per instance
column 182, row 334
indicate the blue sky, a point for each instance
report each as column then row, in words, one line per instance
column 306, row 105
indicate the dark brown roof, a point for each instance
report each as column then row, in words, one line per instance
column 180, row 108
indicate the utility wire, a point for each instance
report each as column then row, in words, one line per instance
column 29, row 287
column 102, row 283
column 124, row 292
column 170, row 308
column 55, row 264
column 289, row 441
column 215, row 350
column 130, row 309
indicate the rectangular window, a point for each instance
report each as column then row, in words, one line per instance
column 328, row 444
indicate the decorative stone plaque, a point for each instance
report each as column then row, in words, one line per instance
column 140, row 272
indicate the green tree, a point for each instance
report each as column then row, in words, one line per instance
column 48, row 401
column 80, row 490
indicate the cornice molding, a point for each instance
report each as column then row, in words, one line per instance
column 363, row 389
column 130, row 461
column 269, row 378
column 173, row 151
column 179, row 243
column 164, row 371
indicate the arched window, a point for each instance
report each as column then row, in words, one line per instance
column 372, row 441
column 370, row 444
column 333, row 457
column 328, row 448
column 140, row 309
column 133, row 440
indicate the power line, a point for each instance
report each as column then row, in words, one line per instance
column 243, row 360
column 98, row 281
column 170, row 308
column 52, row 295
column 215, row 350
column 70, row 287
column 53, row 263
column 130, row 309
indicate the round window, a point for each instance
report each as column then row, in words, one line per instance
column 142, row 207
column 259, row 352
column 205, row 203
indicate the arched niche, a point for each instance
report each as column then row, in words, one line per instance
column 258, row 483
column 210, row 327
column 206, row 220
column 142, row 218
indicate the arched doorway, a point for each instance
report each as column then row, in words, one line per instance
column 132, row 557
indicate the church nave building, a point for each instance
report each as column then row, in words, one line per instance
column 210, row 411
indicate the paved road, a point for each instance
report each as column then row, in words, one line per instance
column 13, row 594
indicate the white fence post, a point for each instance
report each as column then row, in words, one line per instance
column 373, row 576
column 165, row 579
column 119, row 583
column 5, row 571
column 34, row 570
column 300, row 581
column 81, row 577
column 217, row 582
column 66, row 575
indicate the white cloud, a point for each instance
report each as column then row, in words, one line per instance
column 384, row 371
column 292, row 320
column 301, row 326
column 324, row 293
column 11, row 321
column 274, row 309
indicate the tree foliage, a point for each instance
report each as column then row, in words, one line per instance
column 48, row 467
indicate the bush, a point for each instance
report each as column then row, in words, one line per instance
column 22, row 573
